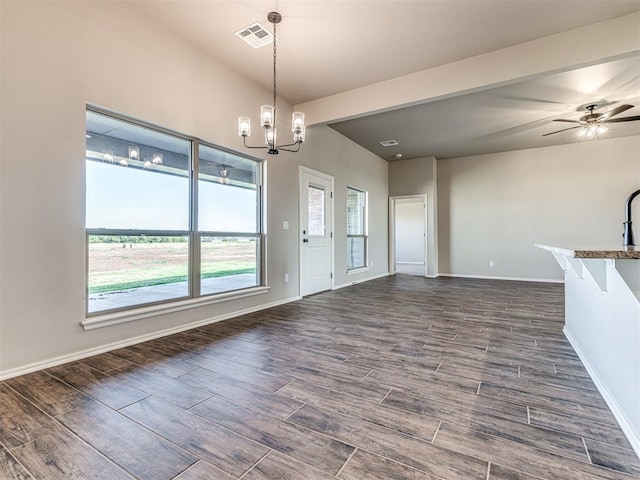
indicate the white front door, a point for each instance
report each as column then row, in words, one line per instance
column 316, row 232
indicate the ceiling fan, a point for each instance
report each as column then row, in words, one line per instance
column 592, row 124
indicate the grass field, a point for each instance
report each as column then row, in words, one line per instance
column 116, row 266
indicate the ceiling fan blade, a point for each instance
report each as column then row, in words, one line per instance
column 615, row 111
column 563, row 130
column 623, row 119
column 565, row 120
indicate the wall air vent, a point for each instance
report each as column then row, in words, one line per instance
column 255, row 35
column 388, row 143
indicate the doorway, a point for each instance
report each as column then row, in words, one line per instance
column 408, row 236
column 316, row 231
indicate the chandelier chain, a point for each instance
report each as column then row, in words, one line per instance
column 274, row 74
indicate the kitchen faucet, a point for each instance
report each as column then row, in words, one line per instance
column 628, row 230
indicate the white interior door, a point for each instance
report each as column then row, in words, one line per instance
column 316, row 232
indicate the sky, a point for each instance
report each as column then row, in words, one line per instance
column 130, row 198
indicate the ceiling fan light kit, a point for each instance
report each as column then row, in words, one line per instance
column 591, row 125
column 268, row 112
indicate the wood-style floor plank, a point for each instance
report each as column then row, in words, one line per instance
column 63, row 456
column 415, row 425
column 413, row 452
column 517, row 456
column 146, row 357
column 240, row 392
column 498, row 472
column 367, row 466
column 20, row 421
column 219, row 446
column 154, row 383
column 97, row 385
column 48, row 393
column 202, row 470
column 293, row 440
column 610, row 456
column 11, row 469
column 136, row 449
column 277, row 466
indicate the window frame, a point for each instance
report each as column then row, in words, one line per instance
column 194, row 296
column 365, row 230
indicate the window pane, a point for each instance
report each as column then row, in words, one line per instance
column 227, row 192
column 137, row 178
column 316, row 211
column 356, row 253
column 355, row 212
column 228, row 264
column 135, row 270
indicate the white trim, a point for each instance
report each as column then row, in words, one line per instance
column 418, row 198
column 353, row 271
column 515, row 279
column 410, row 263
column 163, row 309
column 343, row 285
column 33, row 367
column 625, row 425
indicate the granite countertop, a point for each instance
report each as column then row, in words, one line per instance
column 594, row 251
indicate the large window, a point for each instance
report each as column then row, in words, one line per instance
column 167, row 216
column 356, row 228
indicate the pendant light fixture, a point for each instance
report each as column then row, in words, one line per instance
column 268, row 113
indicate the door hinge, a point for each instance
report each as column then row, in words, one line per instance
column 331, row 195
column 331, row 235
column 331, row 274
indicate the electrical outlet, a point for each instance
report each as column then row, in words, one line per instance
column 371, row 263
column 491, row 264
column 286, row 278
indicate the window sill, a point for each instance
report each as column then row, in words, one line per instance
column 357, row 270
column 156, row 310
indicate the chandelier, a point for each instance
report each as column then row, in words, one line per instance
column 268, row 113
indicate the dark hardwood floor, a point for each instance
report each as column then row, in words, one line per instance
column 397, row 378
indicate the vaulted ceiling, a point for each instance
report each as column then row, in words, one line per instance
column 334, row 57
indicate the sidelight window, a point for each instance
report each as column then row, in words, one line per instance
column 356, row 228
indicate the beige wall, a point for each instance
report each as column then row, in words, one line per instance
column 56, row 57
column 495, row 207
column 417, row 177
column 351, row 165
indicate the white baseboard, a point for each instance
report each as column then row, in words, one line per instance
column 34, row 367
column 348, row 284
column 625, row 425
column 515, row 279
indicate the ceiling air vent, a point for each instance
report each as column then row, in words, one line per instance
column 388, row 143
column 255, row 35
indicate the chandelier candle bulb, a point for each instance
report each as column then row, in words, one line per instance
column 270, row 136
column 244, row 126
column 266, row 114
column 297, row 122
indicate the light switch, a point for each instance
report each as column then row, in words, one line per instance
column 285, row 225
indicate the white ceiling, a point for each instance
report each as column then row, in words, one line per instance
column 333, row 46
